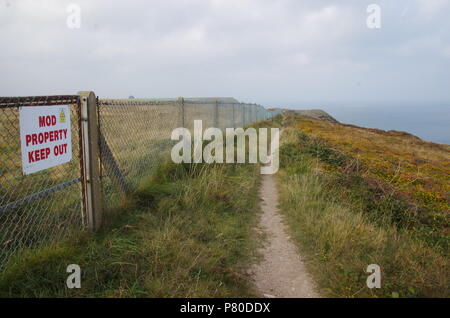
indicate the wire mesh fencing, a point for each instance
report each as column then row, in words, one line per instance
column 134, row 139
column 136, row 134
column 41, row 207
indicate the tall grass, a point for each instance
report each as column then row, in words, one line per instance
column 341, row 238
column 187, row 232
column 400, row 166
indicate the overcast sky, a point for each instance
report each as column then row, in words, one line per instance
column 285, row 52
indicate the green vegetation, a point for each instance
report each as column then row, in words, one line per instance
column 345, row 218
column 188, row 232
column 350, row 197
column 394, row 173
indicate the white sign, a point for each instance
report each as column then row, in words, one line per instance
column 45, row 137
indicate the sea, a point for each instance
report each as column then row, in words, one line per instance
column 430, row 123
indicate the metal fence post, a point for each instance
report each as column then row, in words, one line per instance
column 216, row 114
column 92, row 193
column 252, row 112
column 181, row 104
column 234, row 120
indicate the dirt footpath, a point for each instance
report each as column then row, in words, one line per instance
column 281, row 273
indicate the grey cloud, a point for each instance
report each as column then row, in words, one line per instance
column 270, row 52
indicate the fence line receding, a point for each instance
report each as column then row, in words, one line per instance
column 133, row 138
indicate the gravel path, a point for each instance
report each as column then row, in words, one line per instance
column 281, row 273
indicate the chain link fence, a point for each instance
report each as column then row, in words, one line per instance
column 44, row 206
column 134, row 139
column 137, row 134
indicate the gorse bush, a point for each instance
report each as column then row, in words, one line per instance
column 383, row 201
column 346, row 218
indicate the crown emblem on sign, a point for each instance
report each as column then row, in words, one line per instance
column 62, row 116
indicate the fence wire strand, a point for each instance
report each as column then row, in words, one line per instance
column 135, row 138
column 42, row 207
column 136, row 134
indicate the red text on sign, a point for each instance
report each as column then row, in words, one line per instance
column 38, row 155
column 44, row 153
column 44, row 137
column 46, row 121
column 60, row 150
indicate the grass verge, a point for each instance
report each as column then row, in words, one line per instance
column 188, row 232
column 343, row 224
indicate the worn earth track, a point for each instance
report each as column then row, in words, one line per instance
column 281, row 273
